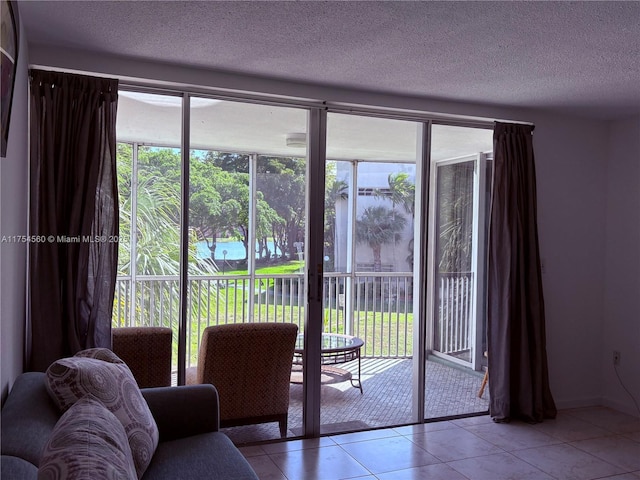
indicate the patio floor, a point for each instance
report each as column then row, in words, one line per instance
column 451, row 390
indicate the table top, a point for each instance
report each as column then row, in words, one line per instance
column 332, row 343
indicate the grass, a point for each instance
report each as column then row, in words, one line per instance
column 288, row 268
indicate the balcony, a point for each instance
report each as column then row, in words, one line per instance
column 376, row 307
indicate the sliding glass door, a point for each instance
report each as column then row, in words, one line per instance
column 247, row 229
column 148, row 169
column 241, row 212
column 460, row 186
column 369, row 272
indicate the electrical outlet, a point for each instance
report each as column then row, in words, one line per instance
column 616, row 358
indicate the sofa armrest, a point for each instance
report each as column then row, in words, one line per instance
column 184, row 411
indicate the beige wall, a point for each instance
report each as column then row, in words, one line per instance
column 621, row 329
column 13, row 212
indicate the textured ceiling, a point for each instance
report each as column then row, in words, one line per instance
column 577, row 57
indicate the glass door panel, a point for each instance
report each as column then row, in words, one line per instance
column 459, row 198
column 247, row 228
column 368, row 273
column 148, row 169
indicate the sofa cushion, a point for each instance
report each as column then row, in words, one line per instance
column 88, row 442
column 17, row 468
column 208, row 456
column 28, row 417
column 99, row 372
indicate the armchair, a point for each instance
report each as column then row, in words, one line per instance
column 250, row 366
column 147, row 353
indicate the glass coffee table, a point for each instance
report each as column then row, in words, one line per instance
column 336, row 349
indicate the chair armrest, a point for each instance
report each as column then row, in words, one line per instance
column 184, row 411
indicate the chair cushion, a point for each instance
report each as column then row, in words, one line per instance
column 87, row 442
column 99, row 372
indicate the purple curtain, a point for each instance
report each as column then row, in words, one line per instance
column 74, row 211
column 518, row 375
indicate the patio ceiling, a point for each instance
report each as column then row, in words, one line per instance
column 263, row 129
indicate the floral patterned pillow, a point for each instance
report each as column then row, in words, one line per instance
column 87, row 442
column 99, row 372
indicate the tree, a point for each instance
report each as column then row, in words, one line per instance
column 402, row 191
column 218, row 200
column 156, row 234
column 157, row 226
column 377, row 226
column 281, row 180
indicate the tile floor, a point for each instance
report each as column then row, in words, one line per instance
column 580, row 444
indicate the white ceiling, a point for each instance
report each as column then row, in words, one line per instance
column 251, row 128
column 576, row 57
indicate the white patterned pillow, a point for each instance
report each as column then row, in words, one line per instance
column 99, row 372
column 87, row 442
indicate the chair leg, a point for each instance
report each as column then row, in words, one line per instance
column 283, row 426
column 484, row 384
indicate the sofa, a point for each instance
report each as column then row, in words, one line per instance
column 190, row 445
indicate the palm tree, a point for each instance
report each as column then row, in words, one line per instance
column 377, row 226
column 402, row 191
column 157, row 241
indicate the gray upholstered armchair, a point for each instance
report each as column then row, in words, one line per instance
column 147, row 353
column 250, row 366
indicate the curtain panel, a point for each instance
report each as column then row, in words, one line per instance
column 517, row 357
column 74, row 211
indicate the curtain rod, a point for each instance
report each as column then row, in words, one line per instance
column 172, row 88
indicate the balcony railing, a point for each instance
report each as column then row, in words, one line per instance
column 454, row 313
column 377, row 307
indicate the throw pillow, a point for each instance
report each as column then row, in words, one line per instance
column 99, row 372
column 87, row 442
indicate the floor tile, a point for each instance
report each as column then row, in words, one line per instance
column 424, row 427
column 388, row 454
column 624, row 476
column 635, row 436
column 292, row 445
column 617, row 450
column 448, row 445
column 265, row 468
column 468, row 421
column 501, row 466
column 438, row 471
column 569, row 428
column 252, row 451
column 580, row 444
column 365, row 435
column 566, row 462
column 512, row 436
column 326, row 463
column 612, row 420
